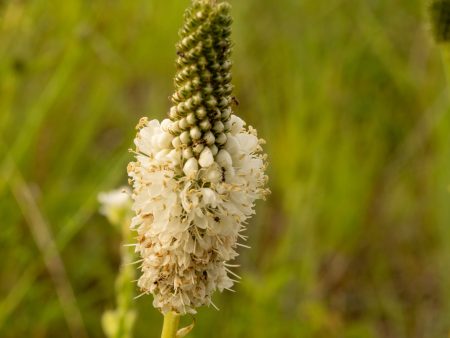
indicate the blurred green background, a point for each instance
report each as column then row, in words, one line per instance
column 354, row 241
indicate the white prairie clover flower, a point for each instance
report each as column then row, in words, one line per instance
column 196, row 175
column 115, row 204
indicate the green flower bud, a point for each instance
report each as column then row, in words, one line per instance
column 198, row 148
column 209, row 138
column 226, row 114
column 176, row 142
column 195, row 133
column 214, row 149
column 191, row 119
column 218, row 126
column 202, row 97
column 187, row 153
column 183, row 124
column 439, row 12
column 205, row 125
column 201, row 113
column 221, row 139
column 185, row 138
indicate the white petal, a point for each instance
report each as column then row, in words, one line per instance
column 232, row 145
column 213, row 174
column 191, row 167
column 174, row 156
column 206, row 158
column 223, row 158
column 236, row 124
column 165, row 124
column 162, row 154
column 164, row 140
column 209, row 197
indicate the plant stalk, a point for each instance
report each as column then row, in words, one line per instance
column 445, row 52
column 170, row 326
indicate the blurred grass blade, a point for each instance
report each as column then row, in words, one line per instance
column 40, row 108
column 44, row 241
column 69, row 229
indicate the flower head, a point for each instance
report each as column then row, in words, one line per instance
column 197, row 174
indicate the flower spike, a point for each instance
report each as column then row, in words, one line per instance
column 197, row 174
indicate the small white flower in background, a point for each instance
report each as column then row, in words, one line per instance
column 115, row 204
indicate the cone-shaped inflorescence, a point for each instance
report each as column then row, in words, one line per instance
column 439, row 12
column 197, row 175
column 202, row 98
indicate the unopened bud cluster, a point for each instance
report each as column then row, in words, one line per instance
column 197, row 174
column 439, row 12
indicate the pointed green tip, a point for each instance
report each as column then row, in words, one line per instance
column 439, row 13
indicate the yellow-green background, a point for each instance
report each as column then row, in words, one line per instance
column 354, row 241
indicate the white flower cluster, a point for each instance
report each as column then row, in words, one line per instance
column 191, row 210
column 115, row 205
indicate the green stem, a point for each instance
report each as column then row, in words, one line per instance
column 445, row 52
column 170, row 326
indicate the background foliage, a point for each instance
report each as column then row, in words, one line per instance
column 355, row 238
